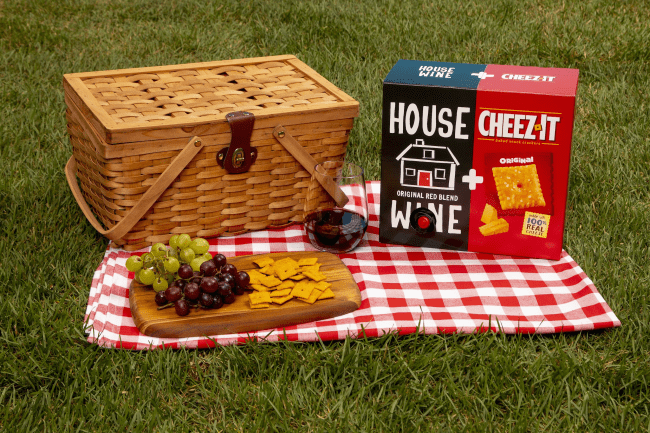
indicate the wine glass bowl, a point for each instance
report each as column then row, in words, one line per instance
column 336, row 226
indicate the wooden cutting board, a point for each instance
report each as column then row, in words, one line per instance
column 238, row 316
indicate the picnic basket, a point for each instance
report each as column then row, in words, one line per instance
column 208, row 149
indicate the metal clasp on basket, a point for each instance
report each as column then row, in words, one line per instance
column 238, row 157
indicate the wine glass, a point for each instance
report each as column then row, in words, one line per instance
column 336, row 207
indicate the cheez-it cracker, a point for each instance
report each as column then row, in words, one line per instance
column 278, row 282
column 282, row 300
column 313, row 296
column 518, row 187
column 307, row 261
column 263, row 261
column 327, row 294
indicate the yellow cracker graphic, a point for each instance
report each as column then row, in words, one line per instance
column 495, row 227
column 489, row 214
column 518, row 187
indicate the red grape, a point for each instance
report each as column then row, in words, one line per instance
column 229, row 268
column 224, row 289
column 229, row 299
column 179, row 283
column 242, row 279
column 208, row 268
column 182, row 307
column 218, row 301
column 229, row 279
column 219, row 260
column 206, row 300
column 192, row 291
column 160, row 298
column 185, row 271
column 196, row 278
column 209, row 284
column 173, row 293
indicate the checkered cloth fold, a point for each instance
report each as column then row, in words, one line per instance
column 403, row 289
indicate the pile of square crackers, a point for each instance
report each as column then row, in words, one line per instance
column 277, row 282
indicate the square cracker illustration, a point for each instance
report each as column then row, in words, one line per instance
column 518, row 187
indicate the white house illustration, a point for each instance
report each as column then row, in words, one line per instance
column 432, row 167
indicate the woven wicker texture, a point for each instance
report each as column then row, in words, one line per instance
column 204, row 93
column 204, row 200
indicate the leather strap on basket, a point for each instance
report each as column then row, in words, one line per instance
column 239, row 156
column 146, row 201
column 309, row 163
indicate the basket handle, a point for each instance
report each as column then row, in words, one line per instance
column 146, row 201
column 309, row 163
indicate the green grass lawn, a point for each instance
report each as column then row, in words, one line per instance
column 51, row 379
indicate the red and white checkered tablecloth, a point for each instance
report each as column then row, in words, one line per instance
column 403, row 289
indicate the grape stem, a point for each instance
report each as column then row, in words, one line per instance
column 162, row 307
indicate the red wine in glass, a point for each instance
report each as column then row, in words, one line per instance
column 335, row 230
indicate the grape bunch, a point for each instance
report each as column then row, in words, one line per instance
column 185, row 275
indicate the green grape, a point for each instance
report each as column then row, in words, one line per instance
column 196, row 264
column 173, row 241
column 171, row 264
column 184, row 241
column 160, row 284
column 137, row 276
column 187, row 255
column 147, row 276
column 158, row 249
column 200, row 246
column 172, row 252
column 134, row 263
column 147, row 260
column 207, row 256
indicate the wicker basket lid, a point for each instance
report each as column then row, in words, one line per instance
column 142, row 104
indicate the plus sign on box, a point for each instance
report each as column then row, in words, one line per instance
column 476, row 157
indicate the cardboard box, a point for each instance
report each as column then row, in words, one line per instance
column 476, row 157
